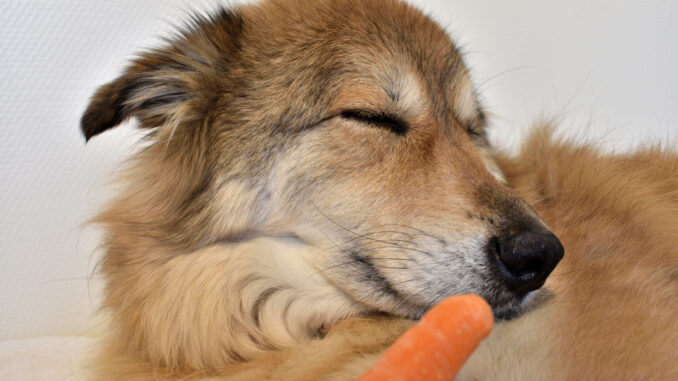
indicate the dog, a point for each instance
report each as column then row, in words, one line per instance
column 317, row 176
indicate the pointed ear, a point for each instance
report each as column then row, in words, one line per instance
column 157, row 84
column 105, row 109
column 150, row 89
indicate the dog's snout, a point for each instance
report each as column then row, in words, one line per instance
column 526, row 259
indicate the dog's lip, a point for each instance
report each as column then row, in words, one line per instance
column 531, row 301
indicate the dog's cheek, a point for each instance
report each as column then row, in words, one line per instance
column 326, row 165
column 242, row 207
column 460, row 266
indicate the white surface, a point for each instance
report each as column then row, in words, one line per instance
column 43, row 359
column 609, row 67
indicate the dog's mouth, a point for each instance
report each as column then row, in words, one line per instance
column 505, row 304
column 530, row 302
column 509, row 274
column 505, row 311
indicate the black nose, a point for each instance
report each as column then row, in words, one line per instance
column 526, row 259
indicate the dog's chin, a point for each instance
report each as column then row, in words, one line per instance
column 520, row 306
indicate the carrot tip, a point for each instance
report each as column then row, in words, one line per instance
column 439, row 344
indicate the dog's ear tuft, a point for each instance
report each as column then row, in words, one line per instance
column 151, row 89
column 105, row 109
column 159, row 82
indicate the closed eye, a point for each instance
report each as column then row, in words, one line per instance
column 381, row 120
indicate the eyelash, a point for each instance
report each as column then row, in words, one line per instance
column 388, row 122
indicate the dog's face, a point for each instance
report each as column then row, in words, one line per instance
column 351, row 126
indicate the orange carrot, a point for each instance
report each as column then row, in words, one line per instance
column 437, row 347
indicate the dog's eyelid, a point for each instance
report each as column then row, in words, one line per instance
column 380, row 119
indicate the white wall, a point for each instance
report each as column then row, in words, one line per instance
column 608, row 67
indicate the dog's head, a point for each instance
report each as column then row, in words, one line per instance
column 349, row 125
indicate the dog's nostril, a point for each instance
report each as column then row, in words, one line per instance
column 495, row 245
column 527, row 258
column 533, row 266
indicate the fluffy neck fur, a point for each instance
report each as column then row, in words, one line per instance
column 226, row 303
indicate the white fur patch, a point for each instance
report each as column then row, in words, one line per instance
column 411, row 96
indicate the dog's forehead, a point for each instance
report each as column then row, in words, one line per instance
column 407, row 59
column 388, row 89
column 414, row 62
column 408, row 81
column 384, row 52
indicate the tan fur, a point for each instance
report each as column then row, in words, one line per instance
column 613, row 313
column 267, row 227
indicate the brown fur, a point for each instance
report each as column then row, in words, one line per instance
column 613, row 314
column 265, row 209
